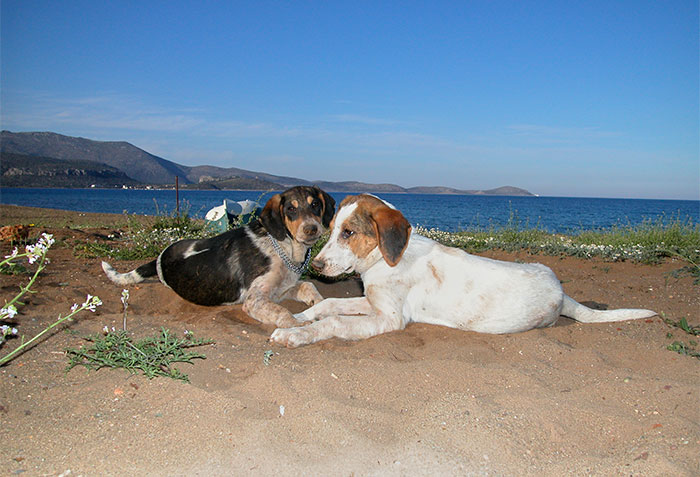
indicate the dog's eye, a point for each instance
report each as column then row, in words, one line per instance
column 315, row 205
column 291, row 209
column 347, row 233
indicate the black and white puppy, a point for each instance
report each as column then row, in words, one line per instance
column 257, row 265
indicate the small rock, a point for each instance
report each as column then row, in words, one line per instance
column 643, row 456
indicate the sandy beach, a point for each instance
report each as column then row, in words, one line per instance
column 574, row 399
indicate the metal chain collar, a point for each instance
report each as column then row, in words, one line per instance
column 298, row 269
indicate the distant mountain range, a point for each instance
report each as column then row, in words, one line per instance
column 19, row 170
column 46, row 159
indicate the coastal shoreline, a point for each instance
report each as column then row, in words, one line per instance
column 445, row 212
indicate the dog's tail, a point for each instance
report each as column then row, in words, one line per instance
column 582, row 313
column 135, row 276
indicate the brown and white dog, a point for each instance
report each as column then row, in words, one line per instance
column 257, row 265
column 410, row 278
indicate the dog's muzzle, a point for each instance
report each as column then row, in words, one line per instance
column 318, row 264
column 310, row 233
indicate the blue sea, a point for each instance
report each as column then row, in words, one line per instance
column 446, row 212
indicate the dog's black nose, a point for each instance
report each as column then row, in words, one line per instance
column 317, row 264
column 310, row 229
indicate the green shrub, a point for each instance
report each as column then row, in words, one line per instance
column 648, row 242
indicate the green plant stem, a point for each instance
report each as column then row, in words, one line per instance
column 23, row 346
column 26, row 288
column 685, row 258
column 135, row 348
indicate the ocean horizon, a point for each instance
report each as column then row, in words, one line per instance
column 449, row 212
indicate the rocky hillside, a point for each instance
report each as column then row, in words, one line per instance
column 19, row 170
column 234, row 183
column 146, row 168
column 141, row 165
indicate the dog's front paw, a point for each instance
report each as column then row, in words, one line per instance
column 302, row 319
column 286, row 321
column 292, row 337
column 317, row 298
column 309, row 294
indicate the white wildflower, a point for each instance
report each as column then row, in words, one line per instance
column 125, row 297
column 6, row 330
column 91, row 303
column 47, row 240
column 32, row 254
column 39, row 249
column 8, row 312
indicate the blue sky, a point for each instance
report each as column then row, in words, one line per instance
column 563, row 98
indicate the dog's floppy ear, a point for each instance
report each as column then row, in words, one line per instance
column 271, row 218
column 393, row 231
column 328, row 207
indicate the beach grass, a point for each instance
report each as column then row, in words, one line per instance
column 145, row 240
column 650, row 241
column 679, row 345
